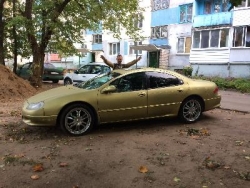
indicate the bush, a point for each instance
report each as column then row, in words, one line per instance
column 187, row 70
column 239, row 84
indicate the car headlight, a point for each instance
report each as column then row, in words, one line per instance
column 35, row 106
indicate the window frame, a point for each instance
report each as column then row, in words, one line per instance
column 209, row 39
column 159, row 32
column 186, row 6
column 245, row 35
column 247, row 4
column 97, row 39
column 132, row 51
column 184, row 45
column 116, row 46
column 163, row 4
column 212, row 4
column 138, row 22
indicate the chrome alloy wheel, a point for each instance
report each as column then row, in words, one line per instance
column 78, row 121
column 191, row 110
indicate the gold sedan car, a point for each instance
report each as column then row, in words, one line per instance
column 122, row 95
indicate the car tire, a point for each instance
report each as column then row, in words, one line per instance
column 77, row 119
column 190, row 110
column 55, row 81
column 67, row 81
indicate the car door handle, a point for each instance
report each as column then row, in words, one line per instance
column 142, row 94
column 83, row 76
column 180, row 89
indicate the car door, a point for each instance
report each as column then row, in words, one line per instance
column 128, row 102
column 165, row 94
column 82, row 74
column 87, row 72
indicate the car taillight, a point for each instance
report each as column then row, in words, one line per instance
column 216, row 90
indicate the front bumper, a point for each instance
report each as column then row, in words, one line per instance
column 39, row 120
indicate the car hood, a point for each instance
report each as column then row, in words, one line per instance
column 56, row 93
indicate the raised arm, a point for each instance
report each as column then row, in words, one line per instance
column 107, row 62
column 133, row 62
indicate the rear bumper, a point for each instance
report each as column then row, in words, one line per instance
column 212, row 103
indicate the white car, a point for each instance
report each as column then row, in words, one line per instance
column 85, row 73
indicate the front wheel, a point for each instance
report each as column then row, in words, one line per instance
column 190, row 110
column 77, row 119
column 67, row 81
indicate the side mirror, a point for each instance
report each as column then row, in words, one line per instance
column 109, row 89
column 76, row 72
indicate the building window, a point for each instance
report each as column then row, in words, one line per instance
column 114, row 48
column 138, row 21
column 217, row 38
column 83, row 46
column 216, row 6
column 186, row 13
column 241, row 36
column 184, row 45
column 159, row 4
column 97, row 38
column 244, row 3
column 159, row 32
column 132, row 51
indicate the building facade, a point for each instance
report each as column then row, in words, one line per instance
column 203, row 34
column 220, row 39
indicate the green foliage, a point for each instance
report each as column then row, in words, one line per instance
column 239, row 84
column 234, row 3
column 187, row 70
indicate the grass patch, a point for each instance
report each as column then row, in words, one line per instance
column 14, row 160
column 238, row 84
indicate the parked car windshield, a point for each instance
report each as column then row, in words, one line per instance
column 49, row 66
column 98, row 81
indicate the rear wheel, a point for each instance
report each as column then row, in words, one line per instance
column 55, row 81
column 190, row 110
column 67, row 81
column 77, row 119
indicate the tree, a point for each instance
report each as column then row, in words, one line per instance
column 2, row 24
column 50, row 23
column 234, row 3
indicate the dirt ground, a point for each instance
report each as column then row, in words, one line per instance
column 214, row 152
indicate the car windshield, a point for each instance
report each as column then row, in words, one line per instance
column 98, row 81
column 49, row 66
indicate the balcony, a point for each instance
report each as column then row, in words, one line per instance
column 241, row 16
column 222, row 18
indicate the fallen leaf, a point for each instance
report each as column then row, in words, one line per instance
column 143, row 169
column 177, row 179
column 226, row 167
column 34, row 177
column 195, row 137
column 38, row 168
column 63, row 164
column 247, row 157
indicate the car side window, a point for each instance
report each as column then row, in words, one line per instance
column 26, row 66
column 159, row 79
column 131, row 82
column 105, row 69
column 49, row 66
column 95, row 69
column 84, row 70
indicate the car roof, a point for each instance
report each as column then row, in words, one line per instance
column 143, row 69
column 96, row 63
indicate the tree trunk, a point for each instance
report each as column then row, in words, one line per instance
column 1, row 33
column 37, row 68
column 15, row 39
